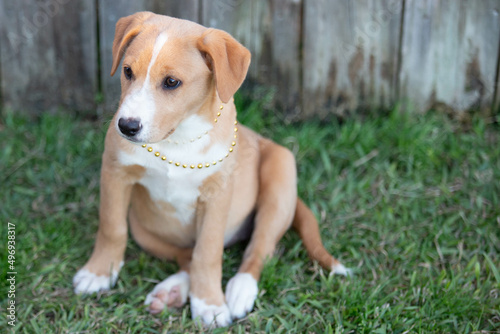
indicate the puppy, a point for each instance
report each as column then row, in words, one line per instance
column 188, row 178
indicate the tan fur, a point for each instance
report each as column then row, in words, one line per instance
column 258, row 176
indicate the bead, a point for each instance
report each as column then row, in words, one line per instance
column 227, row 154
column 184, row 166
column 157, row 154
column 235, row 136
column 177, row 164
column 233, row 143
column 235, row 129
column 200, row 166
column 144, row 145
column 231, row 149
column 235, row 122
column 215, row 120
column 218, row 114
column 221, row 107
column 163, row 158
column 214, row 163
column 150, row 149
column 220, row 160
column 192, row 166
column 199, row 137
column 207, row 165
column 170, row 161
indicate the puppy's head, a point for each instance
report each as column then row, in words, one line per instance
column 171, row 69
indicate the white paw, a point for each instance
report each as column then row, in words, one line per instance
column 340, row 270
column 210, row 315
column 86, row 282
column 172, row 292
column 241, row 292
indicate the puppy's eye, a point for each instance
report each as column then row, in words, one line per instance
column 171, row 83
column 127, row 71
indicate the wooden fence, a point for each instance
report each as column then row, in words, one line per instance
column 322, row 56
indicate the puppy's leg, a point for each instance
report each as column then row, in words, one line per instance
column 206, row 297
column 275, row 210
column 101, row 270
column 173, row 291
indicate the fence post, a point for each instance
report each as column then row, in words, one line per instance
column 350, row 55
column 48, row 55
column 450, row 52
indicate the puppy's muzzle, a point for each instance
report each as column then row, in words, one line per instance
column 129, row 126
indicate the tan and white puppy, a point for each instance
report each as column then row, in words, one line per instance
column 186, row 176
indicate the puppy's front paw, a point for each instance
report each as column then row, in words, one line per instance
column 241, row 292
column 172, row 292
column 210, row 315
column 86, row 282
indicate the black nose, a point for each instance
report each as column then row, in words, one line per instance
column 129, row 126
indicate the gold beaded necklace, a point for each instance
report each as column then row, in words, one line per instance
column 199, row 165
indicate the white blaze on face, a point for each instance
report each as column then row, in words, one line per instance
column 139, row 104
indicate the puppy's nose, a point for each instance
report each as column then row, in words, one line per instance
column 129, row 126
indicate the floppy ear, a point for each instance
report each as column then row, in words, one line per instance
column 126, row 29
column 228, row 60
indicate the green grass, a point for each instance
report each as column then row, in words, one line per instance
column 410, row 202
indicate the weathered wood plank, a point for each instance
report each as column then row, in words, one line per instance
column 110, row 12
column 259, row 41
column 496, row 102
column 450, row 53
column 45, row 67
column 350, row 55
column 185, row 9
column 277, row 50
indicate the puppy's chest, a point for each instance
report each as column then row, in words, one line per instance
column 179, row 191
column 168, row 183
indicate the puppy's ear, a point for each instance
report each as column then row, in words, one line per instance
column 126, row 29
column 227, row 59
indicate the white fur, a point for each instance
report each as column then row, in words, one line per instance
column 241, row 292
column 210, row 315
column 140, row 103
column 341, row 270
column 86, row 282
column 181, row 279
column 160, row 41
column 190, row 128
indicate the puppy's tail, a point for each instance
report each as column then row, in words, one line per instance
column 307, row 227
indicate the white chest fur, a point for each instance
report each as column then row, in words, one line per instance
column 166, row 182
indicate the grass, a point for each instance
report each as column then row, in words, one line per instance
column 410, row 202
